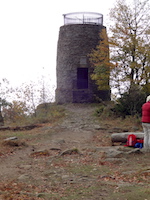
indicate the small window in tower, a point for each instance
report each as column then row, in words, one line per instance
column 83, row 60
column 82, row 78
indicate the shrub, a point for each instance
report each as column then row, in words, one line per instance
column 130, row 103
column 48, row 112
column 105, row 111
column 99, row 110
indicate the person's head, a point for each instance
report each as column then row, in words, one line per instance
column 148, row 99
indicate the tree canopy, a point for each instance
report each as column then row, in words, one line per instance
column 130, row 43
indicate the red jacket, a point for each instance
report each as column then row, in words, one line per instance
column 146, row 112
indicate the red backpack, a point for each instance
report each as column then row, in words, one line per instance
column 131, row 140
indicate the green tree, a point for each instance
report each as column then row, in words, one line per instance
column 130, row 44
column 130, row 102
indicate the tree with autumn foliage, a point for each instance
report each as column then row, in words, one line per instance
column 130, row 45
column 99, row 58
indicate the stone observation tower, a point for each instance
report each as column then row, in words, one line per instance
column 79, row 35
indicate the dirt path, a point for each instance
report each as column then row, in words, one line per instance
column 78, row 126
column 73, row 160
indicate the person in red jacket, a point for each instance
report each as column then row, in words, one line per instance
column 146, row 123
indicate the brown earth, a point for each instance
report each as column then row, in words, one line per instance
column 71, row 160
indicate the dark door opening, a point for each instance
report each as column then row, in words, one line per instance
column 82, row 78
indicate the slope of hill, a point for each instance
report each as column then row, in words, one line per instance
column 71, row 159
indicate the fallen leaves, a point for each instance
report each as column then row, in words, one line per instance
column 134, row 177
column 18, row 191
column 40, row 153
column 14, row 143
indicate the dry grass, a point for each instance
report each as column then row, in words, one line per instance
column 45, row 113
column 128, row 124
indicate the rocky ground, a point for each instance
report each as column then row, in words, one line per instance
column 71, row 160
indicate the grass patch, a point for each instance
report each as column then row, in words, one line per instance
column 131, row 192
column 89, row 170
column 49, row 113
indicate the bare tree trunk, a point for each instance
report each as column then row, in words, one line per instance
column 1, row 119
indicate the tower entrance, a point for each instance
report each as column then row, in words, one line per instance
column 82, row 78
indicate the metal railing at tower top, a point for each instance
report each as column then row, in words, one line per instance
column 83, row 18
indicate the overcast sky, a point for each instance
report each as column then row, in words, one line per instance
column 29, row 32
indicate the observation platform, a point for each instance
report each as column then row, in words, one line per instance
column 83, row 18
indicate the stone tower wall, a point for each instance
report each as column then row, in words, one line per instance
column 75, row 42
